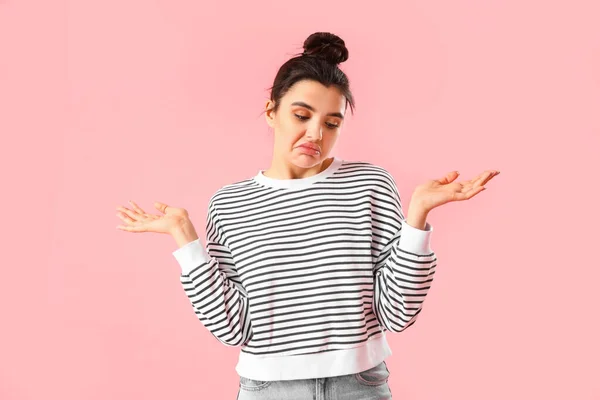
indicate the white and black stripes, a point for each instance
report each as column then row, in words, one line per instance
column 308, row 268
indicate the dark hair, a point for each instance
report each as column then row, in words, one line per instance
column 323, row 52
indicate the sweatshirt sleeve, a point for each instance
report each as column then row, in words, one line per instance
column 405, row 266
column 212, row 285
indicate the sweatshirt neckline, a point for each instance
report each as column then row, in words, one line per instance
column 300, row 182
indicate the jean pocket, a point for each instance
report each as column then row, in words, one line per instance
column 253, row 384
column 378, row 375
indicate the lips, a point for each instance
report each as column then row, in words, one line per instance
column 311, row 146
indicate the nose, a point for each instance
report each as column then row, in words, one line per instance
column 315, row 132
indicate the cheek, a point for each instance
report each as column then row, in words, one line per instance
column 292, row 132
column 288, row 136
column 331, row 137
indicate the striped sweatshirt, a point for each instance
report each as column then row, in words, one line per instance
column 307, row 275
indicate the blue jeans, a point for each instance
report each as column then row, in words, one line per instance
column 371, row 384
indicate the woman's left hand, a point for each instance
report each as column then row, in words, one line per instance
column 436, row 192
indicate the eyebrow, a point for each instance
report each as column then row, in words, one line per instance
column 311, row 108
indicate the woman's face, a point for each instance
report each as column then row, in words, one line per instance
column 308, row 113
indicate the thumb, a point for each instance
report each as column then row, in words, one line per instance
column 449, row 177
column 161, row 206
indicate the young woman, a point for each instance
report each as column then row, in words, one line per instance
column 309, row 263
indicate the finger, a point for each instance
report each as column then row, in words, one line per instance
column 475, row 191
column 135, row 226
column 162, row 207
column 487, row 180
column 124, row 217
column 469, row 194
column 128, row 212
column 136, row 207
column 484, row 178
column 449, row 177
column 477, row 178
column 131, row 228
column 490, row 176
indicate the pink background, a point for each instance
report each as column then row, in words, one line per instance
column 106, row 101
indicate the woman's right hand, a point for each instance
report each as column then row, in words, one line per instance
column 137, row 220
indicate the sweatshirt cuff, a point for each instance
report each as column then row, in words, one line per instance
column 415, row 240
column 191, row 255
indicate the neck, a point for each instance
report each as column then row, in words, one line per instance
column 280, row 169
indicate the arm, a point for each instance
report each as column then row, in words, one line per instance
column 220, row 303
column 405, row 266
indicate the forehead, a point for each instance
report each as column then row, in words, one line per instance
column 323, row 99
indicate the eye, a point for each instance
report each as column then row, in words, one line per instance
column 303, row 118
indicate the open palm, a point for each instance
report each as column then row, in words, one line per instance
column 436, row 192
column 137, row 220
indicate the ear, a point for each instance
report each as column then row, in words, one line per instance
column 269, row 114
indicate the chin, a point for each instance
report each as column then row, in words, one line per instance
column 307, row 161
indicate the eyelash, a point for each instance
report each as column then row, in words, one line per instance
column 303, row 118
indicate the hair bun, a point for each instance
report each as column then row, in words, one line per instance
column 327, row 46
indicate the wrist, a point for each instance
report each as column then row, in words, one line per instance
column 184, row 233
column 418, row 204
column 417, row 216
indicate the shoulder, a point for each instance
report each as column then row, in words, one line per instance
column 231, row 192
column 369, row 170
